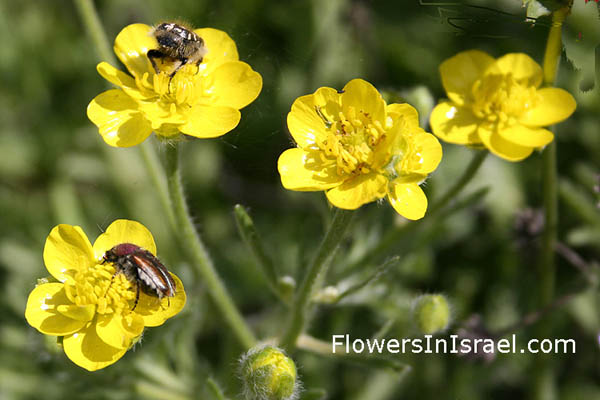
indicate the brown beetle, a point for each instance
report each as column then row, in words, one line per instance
column 141, row 268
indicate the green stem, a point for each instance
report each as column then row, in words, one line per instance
column 157, row 176
column 544, row 387
column 549, row 178
column 198, row 253
column 460, row 184
column 89, row 16
column 393, row 236
column 319, row 347
column 547, row 265
column 317, row 269
column 254, row 243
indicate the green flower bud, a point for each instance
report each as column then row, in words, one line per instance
column 327, row 295
column 431, row 313
column 286, row 285
column 268, row 374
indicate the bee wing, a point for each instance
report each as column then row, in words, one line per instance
column 154, row 274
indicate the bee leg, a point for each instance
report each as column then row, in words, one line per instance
column 152, row 56
column 181, row 62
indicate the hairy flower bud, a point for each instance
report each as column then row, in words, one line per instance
column 431, row 313
column 268, row 374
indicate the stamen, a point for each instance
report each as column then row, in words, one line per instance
column 351, row 141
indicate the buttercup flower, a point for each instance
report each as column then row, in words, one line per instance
column 91, row 306
column 498, row 104
column 198, row 100
column 358, row 149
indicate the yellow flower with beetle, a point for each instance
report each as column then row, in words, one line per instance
column 101, row 297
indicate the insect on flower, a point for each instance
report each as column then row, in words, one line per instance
column 178, row 46
column 141, row 268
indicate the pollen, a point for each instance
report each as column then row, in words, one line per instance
column 502, row 99
column 99, row 285
column 185, row 88
column 351, row 142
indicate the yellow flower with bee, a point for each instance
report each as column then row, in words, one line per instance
column 180, row 81
column 498, row 103
column 359, row 149
column 94, row 301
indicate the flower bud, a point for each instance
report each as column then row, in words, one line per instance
column 431, row 313
column 268, row 374
column 327, row 295
column 286, row 285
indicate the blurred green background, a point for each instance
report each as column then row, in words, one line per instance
column 55, row 168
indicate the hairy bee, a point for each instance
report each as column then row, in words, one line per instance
column 141, row 268
column 177, row 46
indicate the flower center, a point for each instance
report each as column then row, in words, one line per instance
column 99, row 285
column 351, row 141
column 186, row 87
column 502, row 99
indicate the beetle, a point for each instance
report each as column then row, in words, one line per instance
column 141, row 268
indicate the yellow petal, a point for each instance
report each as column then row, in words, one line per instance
column 360, row 190
column 209, row 122
column 131, row 46
column 115, row 76
column 235, row 85
column 42, row 313
column 554, row 105
column 86, row 349
column 461, row 71
column 408, row 200
column 118, row 330
column 120, row 79
column 300, row 171
column 79, row 313
column 454, row 124
column 363, row 96
column 159, row 114
column 522, row 67
column 118, row 119
column 528, row 137
column 304, row 122
column 329, row 103
column 220, row 49
column 67, row 250
column 502, row 147
column 124, row 231
column 425, row 153
column 407, row 112
column 155, row 312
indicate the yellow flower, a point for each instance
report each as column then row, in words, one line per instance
column 359, row 149
column 498, row 104
column 90, row 305
column 199, row 100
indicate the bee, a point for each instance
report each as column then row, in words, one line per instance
column 141, row 268
column 177, row 46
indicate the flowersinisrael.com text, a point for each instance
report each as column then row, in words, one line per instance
column 452, row 345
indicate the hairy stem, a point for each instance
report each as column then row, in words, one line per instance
column 544, row 387
column 198, row 253
column 393, row 236
column 311, row 282
column 89, row 16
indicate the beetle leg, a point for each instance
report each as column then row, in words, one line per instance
column 137, row 296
